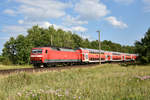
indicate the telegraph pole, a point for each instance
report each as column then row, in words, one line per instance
column 51, row 41
column 99, row 47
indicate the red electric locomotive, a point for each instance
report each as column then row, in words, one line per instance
column 44, row 56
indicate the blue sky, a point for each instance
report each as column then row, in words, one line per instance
column 121, row 21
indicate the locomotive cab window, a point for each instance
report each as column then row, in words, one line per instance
column 37, row 51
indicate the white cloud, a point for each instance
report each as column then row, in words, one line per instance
column 124, row 1
column 47, row 24
column 22, row 29
column 68, row 20
column 79, row 29
column 74, row 29
column 114, row 22
column 14, row 29
column 20, row 21
column 10, row 12
column 39, row 12
column 91, row 9
column 147, row 5
column 40, row 8
column 4, row 38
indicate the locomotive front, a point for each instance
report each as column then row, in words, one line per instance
column 36, row 56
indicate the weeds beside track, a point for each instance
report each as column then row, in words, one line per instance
column 105, row 82
column 9, row 71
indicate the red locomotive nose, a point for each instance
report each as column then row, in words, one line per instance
column 36, row 56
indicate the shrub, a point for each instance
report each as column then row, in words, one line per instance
column 1, row 58
column 6, row 61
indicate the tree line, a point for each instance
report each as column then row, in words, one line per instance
column 17, row 50
column 143, row 48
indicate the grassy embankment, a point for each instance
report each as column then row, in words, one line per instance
column 105, row 82
column 14, row 66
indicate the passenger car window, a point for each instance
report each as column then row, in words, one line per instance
column 46, row 51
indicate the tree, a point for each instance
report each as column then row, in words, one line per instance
column 23, row 49
column 86, row 43
column 143, row 48
column 77, row 41
column 9, row 50
column 18, row 50
column 94, row 44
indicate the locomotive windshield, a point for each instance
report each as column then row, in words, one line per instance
column 37, row 51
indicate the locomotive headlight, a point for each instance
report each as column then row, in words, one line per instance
column 40, row 58
column 36, row 56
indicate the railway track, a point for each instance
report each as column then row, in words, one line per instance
column 9, row 71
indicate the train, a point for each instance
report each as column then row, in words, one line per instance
column 51, row 56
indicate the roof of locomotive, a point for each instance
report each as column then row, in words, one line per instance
column 56, row 48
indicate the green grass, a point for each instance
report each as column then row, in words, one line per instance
column 105, row 82
column 14, row 66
